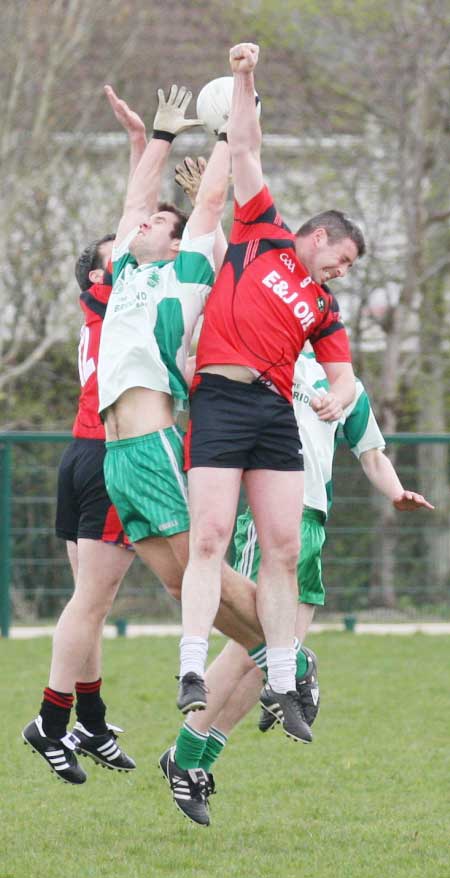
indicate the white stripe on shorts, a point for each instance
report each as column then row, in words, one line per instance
column 174, row 463
column 177, row 433
column 248, row 553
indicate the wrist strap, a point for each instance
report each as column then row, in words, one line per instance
column 163, row 135
column 223, row 136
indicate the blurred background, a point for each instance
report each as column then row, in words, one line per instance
column 356, row 98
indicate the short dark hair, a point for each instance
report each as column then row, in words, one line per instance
column 89, row 260
column 182, row 219
column 337, row 227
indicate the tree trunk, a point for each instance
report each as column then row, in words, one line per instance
column 382, row 577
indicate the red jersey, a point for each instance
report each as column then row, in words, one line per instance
column 93, row 302
column 264, row 305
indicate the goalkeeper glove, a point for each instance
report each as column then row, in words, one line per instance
column 170, row 115
column 188, row 175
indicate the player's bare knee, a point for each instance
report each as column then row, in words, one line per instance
column 96, row 610
column 95, row 599
column 207, row 549
column 211, row 542
column 97, row 585
column 282, row 555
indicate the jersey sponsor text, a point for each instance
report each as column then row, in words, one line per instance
column 281, row 289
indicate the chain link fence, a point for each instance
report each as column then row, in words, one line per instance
column 377, row 562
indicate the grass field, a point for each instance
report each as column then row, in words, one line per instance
column 370, row 797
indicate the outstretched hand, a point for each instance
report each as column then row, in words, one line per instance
column 409, row 501
column 244, row 57
column 170, row 115
column 129, row 120
column 188, row 175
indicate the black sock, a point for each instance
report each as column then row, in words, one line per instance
column 55, row 712
column 90, row 707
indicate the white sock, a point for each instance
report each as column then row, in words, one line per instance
column 281, row 667
column 193, row 654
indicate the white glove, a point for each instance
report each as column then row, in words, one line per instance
column 170, row 113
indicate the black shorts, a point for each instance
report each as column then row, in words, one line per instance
column 83, row 508
column 244, row 426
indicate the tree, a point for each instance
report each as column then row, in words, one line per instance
column 380, row 71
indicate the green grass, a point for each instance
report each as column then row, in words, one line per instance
column 370, row 797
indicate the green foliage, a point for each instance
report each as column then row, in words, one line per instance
column 366, row 798
column 45, row 397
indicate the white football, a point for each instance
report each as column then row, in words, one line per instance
column 214, row 103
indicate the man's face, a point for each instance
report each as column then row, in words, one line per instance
column 325, row 260
column 153, row 240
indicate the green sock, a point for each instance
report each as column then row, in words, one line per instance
column 302, row 664
column 214, row 746
column 189, row 747
column 258, row 654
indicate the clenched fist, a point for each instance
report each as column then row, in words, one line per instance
column 327, row 407
column 244, row 57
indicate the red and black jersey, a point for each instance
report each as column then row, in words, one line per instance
column 264, row 305
column 93, row 302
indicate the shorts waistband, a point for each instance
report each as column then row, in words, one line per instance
column 257, row 384
column 88, row 441
column 314, row 514
column 116, row 444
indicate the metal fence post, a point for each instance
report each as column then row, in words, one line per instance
column 5, row 534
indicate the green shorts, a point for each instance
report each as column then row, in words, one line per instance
column 145, row 481
column 309, row 569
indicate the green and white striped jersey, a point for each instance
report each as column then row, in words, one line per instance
column 319, row 438
column 150, row 319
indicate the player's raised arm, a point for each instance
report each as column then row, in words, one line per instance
column 133, row 125
column 212, row 192
column 144, row 186
column 244, row 131
column 189, row 176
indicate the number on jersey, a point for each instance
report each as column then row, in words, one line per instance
column 86, row 366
